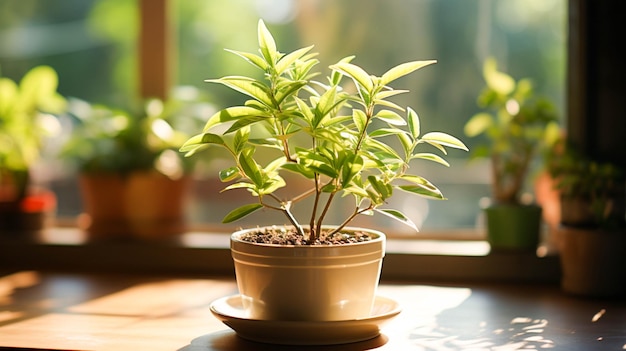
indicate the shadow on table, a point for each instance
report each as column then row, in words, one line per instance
column 227, row 340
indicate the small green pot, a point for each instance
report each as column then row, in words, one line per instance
column 513, row 227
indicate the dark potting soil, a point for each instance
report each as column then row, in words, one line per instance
column 288, row 236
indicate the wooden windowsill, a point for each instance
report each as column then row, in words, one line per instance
column 66, row 249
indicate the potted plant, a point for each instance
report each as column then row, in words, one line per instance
column 337, row 139
column 26, row 119
column 592, row 234
column 133, row 181
column 516, row 124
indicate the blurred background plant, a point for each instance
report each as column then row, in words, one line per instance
column 592, row 193
column 517, row 125
column 27, row 111
column 146, row 136
column 133, row 181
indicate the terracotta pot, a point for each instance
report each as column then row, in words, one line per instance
column 549, row 199
column 308, row 283
column 140, row 204
column 593, row 262
column 513, row 227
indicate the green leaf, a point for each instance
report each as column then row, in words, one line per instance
column 38, row 88
column 241, row 138
column 8, row 92
column 382, row 132
column 272, row 185
column 329, row 188
column 250, row 168
column 241, row 212
column 266, row 142
column 324, row 169
column 375, row 145
column 317, row 163
column 305, row 110
column 374, row 196
column 416, row 180
column 366, row 97
column 444, row 139
column 290, row 58
column 407, row 143
column 352, row 167
column 239, row 185
column 273, row 166
column 248, row 86
column 231, row 114
column 327, row 101
column 244, row 122
column 267, row 45
column 288, row 89
column 500, row 82
column 302, row 68
column 397, row 215
column 552, row 134
column 478, row 124
column 256, row 105
column 403, row 69
column 440, row 148
column 256, row 60
column 414, row 122
column 357, row 191
column 299, row 169
column 391, row 117
column 360, row 120
column 336, row 120
column 229, row 174
column 423, row 190
column 383, row 189
column 389, row 104
column 200, row 139
column 384, row 94
column 431, row 157
column 355, row 72
column 336, row 75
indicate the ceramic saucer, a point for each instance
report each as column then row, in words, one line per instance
column 230, row 311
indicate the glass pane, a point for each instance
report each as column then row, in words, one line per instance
column 90, row 43
column 527, row 37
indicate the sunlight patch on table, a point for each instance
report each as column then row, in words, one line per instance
column 161, row 298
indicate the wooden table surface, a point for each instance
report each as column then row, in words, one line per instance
column 75, row 311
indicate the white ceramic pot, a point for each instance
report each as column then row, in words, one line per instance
column 308, row 283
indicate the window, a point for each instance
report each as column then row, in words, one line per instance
column 92, row 45
column 528, row 37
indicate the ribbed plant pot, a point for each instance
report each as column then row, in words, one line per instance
column 513, row 227
column 593, row 262
column 308, row 283
column 146, row 205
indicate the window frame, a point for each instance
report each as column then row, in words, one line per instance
column 586, row 121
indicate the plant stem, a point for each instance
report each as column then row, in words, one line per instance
column 508, row 192
column 325, row 211
column 303, row 195
column 314, row 232
column 369, row 112
column 349, row 219
column 293, row 221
